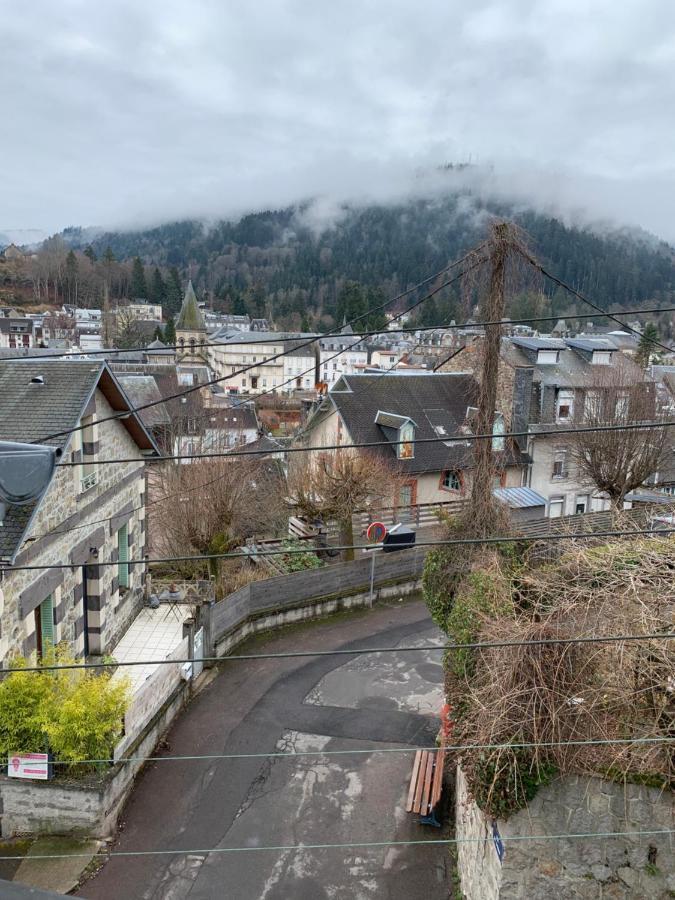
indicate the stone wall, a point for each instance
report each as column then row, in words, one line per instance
column 470, row 359
column 69, row 522
column 87, row 807
column 620, row 868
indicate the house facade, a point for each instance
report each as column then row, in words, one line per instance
column 274, row 361
column 408, row 416
column 88, row 514
column 544, row 385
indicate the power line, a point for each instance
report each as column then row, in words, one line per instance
column 359, row 752
column 301, row 654
column 446, row 439
column 269, row 359
column 447, row 543
column 580, row 296
column 286, row 848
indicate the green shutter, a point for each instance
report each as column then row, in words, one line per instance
column 47, row 623
column 123, row 551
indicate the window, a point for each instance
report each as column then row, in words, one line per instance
column 565, row 406
column 234, row 369
column 556, row 507
column 243, row 381
column 621, row 408
column 406, row 435
column 581, row 504
column 601, row 357
column 264, row 382
column 44, row 625
column 547, row 357
column 123, row 556
column 498, row 432
column 592, row 404
column 559, row 464
column 254, row 382
column 451, row 481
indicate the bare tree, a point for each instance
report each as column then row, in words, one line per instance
column 618, row 462
column 336, row 484
column 128, row 331
column 213, row 506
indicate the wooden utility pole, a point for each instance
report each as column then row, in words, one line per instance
column 482, row 503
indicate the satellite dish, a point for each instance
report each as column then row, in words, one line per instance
column 25, row 471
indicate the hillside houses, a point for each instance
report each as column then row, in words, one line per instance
column 544, row 385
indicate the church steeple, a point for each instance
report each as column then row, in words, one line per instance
column 191, row 330
column 190, row 318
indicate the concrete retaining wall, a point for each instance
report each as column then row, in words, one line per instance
column 635, row 867
column 88, row 807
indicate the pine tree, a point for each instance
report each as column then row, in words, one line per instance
column 71, row 277
column 159, row 334
column 170, row 332
column 157, row 287
column 90, row 253
column 647, row 344
column 139, row 287
column 173, row 292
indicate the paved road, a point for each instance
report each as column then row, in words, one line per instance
column 325, row 703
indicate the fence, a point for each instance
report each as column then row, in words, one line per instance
column 286, row 592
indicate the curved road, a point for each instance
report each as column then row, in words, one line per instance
column 258, row 706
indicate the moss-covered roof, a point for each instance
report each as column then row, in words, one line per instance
column 190, row 318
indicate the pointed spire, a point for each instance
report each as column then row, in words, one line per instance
column 190, row 318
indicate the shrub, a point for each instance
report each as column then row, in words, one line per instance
column 88, row 722
column 298, row 562
column 74, row 714
column 23, row 696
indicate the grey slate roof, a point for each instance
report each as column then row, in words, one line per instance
column 590, row 344
column 141, row 389
column 436, row 403
column 29, row 412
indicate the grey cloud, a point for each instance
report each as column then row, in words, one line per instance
column 122, row 113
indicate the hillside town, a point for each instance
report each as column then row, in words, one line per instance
column 337, row 451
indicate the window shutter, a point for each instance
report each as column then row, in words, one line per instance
column 47, row 622
column 123, row 556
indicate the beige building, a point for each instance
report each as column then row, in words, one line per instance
column 257, row 362
column 88, row 515
column 409, row 416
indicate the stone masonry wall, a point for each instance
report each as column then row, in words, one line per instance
column 621, row 868
column 68, row 522
column 470, row 359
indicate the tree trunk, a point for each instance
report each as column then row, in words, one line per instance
column 347, row 537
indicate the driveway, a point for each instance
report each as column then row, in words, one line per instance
column 378, row 700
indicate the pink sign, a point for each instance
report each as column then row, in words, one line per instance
column 29, row 765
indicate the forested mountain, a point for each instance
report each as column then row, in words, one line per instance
column 274, row 263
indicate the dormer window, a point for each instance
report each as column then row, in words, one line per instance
column 406, row 436
column 547, row 357
column 601, row 358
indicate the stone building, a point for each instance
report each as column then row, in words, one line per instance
column 191, row 330
column 89, row 513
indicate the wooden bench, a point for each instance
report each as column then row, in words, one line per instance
column 426, row 785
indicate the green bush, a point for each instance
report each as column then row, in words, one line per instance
column 481, row 594
column 504, row 781
column 298, row 562
column 23, row 698
column 73, row 714
column 87, row 723
column 439, row 583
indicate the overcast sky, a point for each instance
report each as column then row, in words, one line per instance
column 125, row 112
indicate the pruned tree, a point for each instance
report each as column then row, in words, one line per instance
column 619, row 461
column 213, row 506
column 333, row 485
